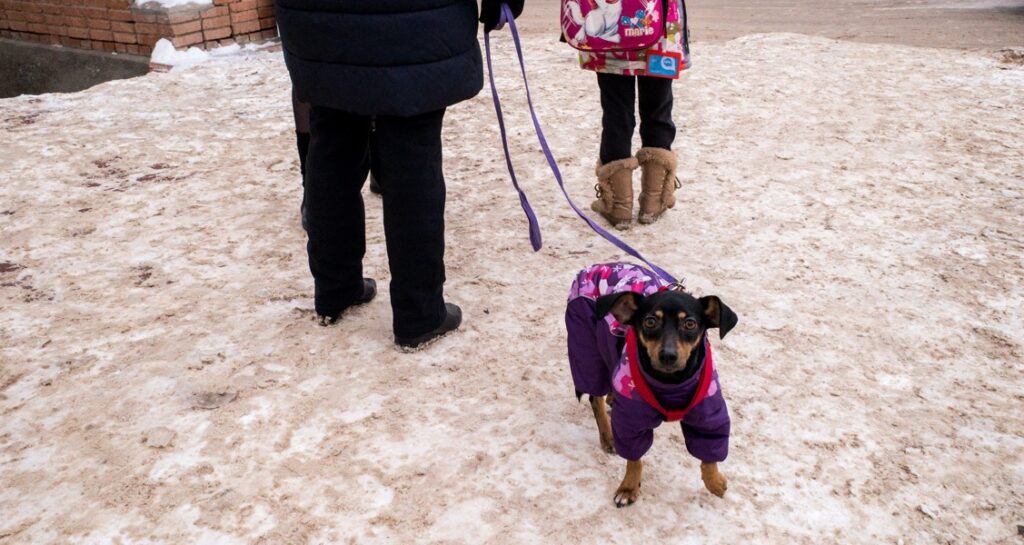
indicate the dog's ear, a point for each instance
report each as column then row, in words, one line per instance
column 622, row 305
column 719, row 315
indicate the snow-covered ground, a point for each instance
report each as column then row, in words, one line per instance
column 861, row 207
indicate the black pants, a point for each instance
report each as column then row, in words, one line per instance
column 618, row 104
column 407, row 161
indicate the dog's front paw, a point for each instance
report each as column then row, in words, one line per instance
column 627, row 495
column 714, row 481
column 607, row 443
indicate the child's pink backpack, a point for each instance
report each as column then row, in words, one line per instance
column 613, row 25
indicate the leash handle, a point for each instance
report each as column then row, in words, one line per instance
column 535, row 238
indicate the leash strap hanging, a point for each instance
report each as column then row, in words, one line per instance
column 535, row 237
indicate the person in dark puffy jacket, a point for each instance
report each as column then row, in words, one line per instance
column 398, row 64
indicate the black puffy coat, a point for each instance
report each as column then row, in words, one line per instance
column 381, row 57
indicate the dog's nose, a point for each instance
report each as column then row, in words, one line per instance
column 668, row 356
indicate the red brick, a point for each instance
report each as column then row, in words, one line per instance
column 80, row 33
column 243, row 5
column 99, row 24
column 125, row 37
column 243, row 16
column 81, row 22
column 187, row 39
column 15, row 15
column 19, row 26
column 102, row 35
column 216, row 33
column 121, row 15
column 265, row 11
column 97, row 13
column 132, row 49
column 107, row 46
column 218, row 11
column 121, row 26
column 216, row 22
column 267, row 23
column 221, row 2
column 120, row 48
column 52, row 9
column 182, row 15
column 147, row 28
column 118, row 4
column 55, row 20
column 268, row 34
column 145, row 16
column 148, row 40
column 35, row 17
column 56, row 30
column 186, row 28
column 246, row 27
column 37, row 28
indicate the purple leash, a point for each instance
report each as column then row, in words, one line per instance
column 535, row 238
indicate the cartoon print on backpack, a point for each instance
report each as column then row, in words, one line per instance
column 641, row 24
column 602, row 20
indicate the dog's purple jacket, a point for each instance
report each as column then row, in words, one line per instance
column 597, row 361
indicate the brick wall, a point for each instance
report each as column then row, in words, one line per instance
column 119, row 26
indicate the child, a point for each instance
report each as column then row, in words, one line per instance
column 607, row 36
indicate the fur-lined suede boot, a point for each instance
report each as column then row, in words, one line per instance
column 615, row 191
column 658, row 183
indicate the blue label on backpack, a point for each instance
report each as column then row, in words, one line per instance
column 663, row 65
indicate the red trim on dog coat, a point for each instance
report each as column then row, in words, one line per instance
column 640, row 383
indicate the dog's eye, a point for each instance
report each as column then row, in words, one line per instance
column 650, row 322
column 689, row 324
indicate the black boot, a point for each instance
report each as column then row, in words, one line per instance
column 369, row 292
column 451, row 322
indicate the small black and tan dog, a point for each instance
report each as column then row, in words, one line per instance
column 662, row 372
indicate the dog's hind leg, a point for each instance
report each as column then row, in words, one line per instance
column 604, row 424
column 629, row 490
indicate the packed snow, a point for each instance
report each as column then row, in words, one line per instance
column 163, row 379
